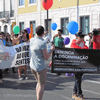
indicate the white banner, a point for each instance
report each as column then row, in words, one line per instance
column 14, row 56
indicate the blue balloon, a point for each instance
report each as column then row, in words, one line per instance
column 54, row 26
column 66, row 41
column 73, row 27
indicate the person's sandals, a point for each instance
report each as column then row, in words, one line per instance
column 81, row 97
column 74, row 96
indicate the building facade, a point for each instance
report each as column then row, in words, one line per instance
column 8, row 13
column 62, row 12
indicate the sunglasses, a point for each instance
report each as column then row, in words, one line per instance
column 23, row 32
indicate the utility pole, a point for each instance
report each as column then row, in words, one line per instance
column 78, row 12
column 10, row 8
column 4, row 8
column 47, row 21
column 47, row 18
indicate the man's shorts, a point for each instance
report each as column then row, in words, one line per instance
column 40, row 76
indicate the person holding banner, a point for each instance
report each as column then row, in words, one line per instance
column 9, row 44
column 24, row 38
column 37, row 62
column 80, row 44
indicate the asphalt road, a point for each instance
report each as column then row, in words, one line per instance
column 57, row 87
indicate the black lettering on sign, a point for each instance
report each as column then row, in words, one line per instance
column 19, row 56
column 25, row 54
column 28, row 54
column 23, row 61
column 27, row 47
column 24, row 48
column 16, row 62
column 19, row 62
column 18, row 49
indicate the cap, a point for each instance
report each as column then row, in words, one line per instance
column 80, row 34
column 95, row 30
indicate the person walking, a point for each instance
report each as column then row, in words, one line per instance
column 37, row 62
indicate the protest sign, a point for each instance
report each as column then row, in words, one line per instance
column 69, row 60
column 14, row 56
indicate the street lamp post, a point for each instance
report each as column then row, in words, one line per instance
column 78, row 12
column 47, row 18
column 47, row 21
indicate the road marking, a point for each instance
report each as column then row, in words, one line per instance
column 51, row 82
column 97, row 82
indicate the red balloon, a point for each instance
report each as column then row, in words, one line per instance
column 47, row 4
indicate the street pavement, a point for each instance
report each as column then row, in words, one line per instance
column 57, row 87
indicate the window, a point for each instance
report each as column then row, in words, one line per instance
column 34, row 26
column 85, row 24
column 21, row 26
column 64, row 23
column 21, row 2
column 5, row 29
column 32, row 1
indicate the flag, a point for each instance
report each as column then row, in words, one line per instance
column 31, row 33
